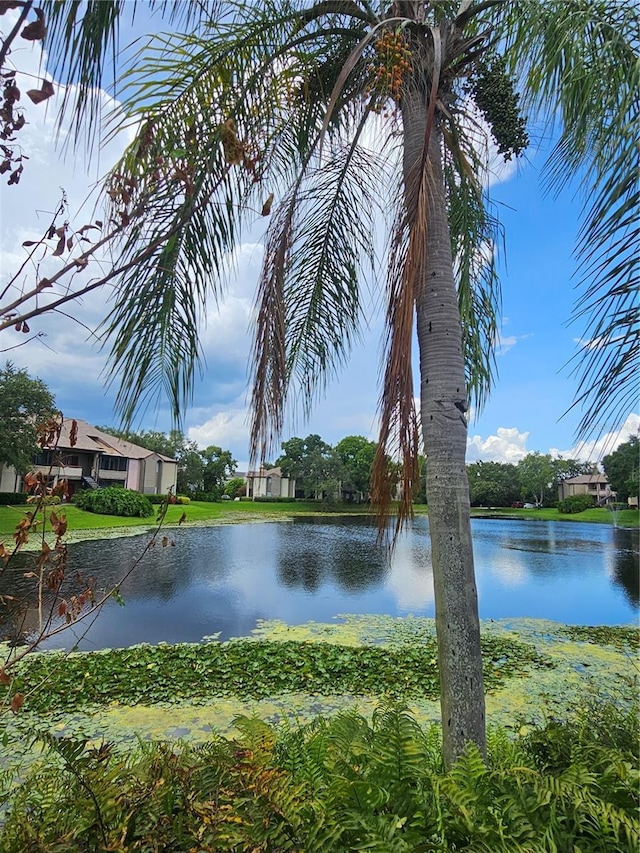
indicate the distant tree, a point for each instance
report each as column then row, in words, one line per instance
column 493, row 483
column 190, row 472
column 313, row 463
column 535, row 474
column 23, row 402
column 565, row 468
column 219, row 465
column 235, row 488
column 356, row 454
column 173, row 444
column 621, row 467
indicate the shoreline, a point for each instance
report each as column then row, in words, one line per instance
column 73, row 536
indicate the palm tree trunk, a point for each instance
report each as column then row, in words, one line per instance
column 444, row 432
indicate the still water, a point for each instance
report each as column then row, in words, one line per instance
column 222, row 580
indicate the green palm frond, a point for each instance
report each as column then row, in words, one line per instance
column 84, row 42
column 475, row 240
column 310, row 292
column 579, row 61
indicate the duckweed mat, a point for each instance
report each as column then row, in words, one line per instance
column 534, row 670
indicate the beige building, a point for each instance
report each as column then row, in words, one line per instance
column 269, row 483
column 596, row 485
column 98, row 459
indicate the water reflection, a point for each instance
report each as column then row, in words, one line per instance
column 626, row 571
column 224, row 579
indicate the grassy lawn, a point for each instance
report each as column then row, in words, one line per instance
column 196, row 512
column 232, row 511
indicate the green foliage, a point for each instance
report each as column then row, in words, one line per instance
column 23, row 403
column 536, row 475
column 250, row 668
column 206, row 497
column 340, row 784
column 314, row 464
column 235, row 488
column 13, row 498
column 183, row 500
column 619, row 636
column 622, row 467
column 574, row 504
column 493, row 483
column 114, row 500
column 357, row 455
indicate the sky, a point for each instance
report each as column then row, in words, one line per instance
column 524, row 413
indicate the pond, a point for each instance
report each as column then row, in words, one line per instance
column 223, row 580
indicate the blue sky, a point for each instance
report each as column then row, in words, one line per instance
column 523, row 414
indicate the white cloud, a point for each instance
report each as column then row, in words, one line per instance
column 508, row 445
column 594, row 451
column 228, row 428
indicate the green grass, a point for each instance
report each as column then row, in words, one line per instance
column 625, row 518
column 196, row 512
column 232, row 511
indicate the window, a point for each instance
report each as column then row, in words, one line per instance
column 113, row 463
column 56, row 457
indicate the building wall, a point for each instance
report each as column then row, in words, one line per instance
column 270, row 485
column 135, row 472
column 9, row 482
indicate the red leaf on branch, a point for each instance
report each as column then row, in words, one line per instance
column 17, row 702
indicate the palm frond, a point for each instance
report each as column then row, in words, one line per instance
column 580, row 65
column 309, row 293
column 84, row 45
column 475, row 239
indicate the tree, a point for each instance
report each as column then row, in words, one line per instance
column 219, row 465
column 493, row 483
column 622, row 468
column 290, row 89
column 535, row 473
column 356, row 454
column 313, row 464
column 24, row 402
column 235, row 488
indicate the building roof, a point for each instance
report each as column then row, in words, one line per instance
column 588, row 478
column 96, row 441
column 264, row 472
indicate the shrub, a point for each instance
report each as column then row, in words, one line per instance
column 156, row 500
column 183, row 500
column 333, row 785
column 575, row 503
column 206, row 497
column 114, row 500
column 13, row 498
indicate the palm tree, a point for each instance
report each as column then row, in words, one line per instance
column 327, row 117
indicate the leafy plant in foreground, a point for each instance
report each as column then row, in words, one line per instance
column 341, row 784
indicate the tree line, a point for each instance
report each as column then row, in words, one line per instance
column 340, row 472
